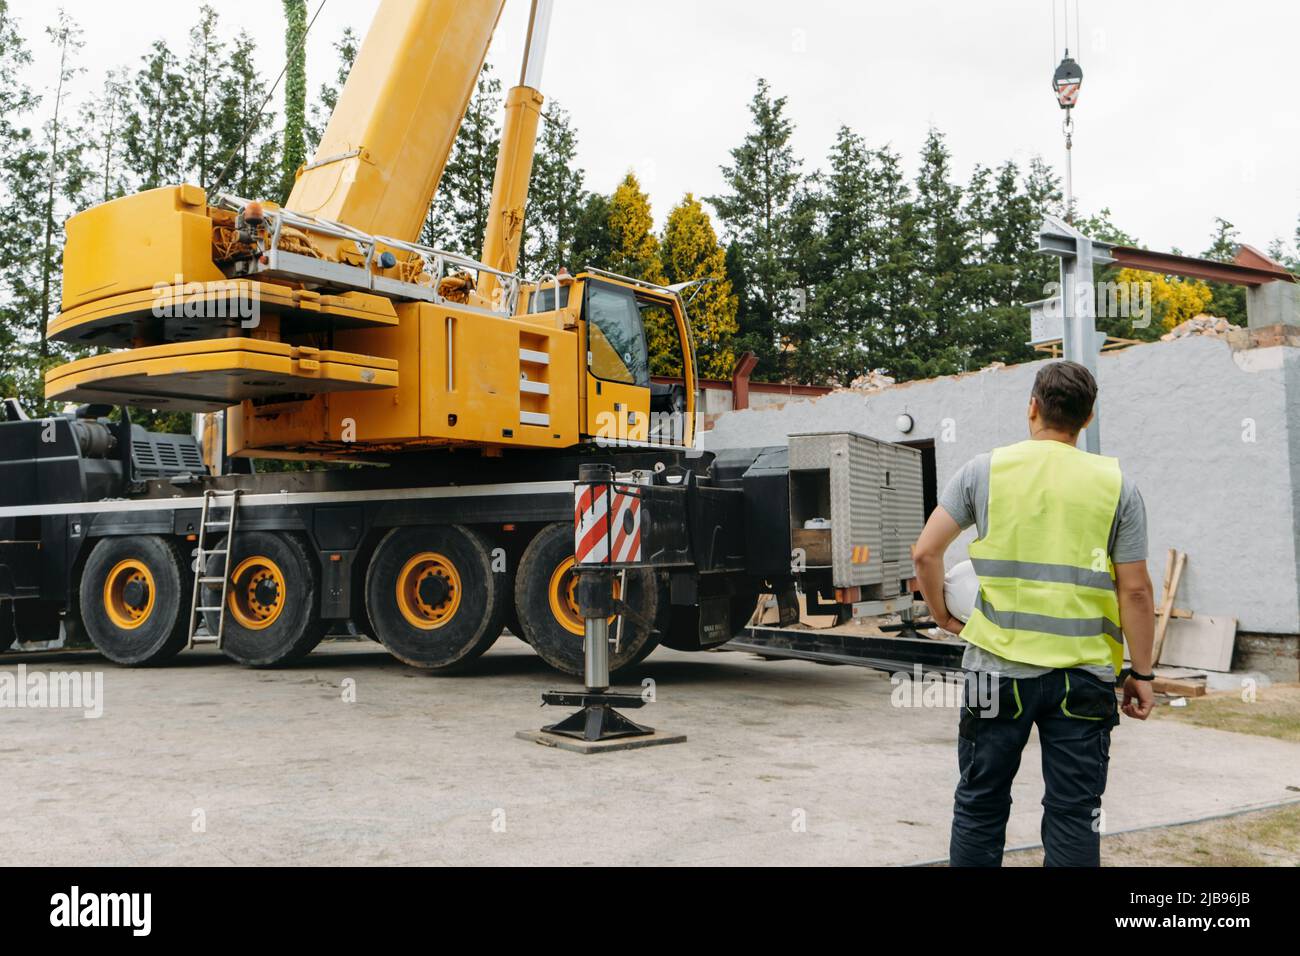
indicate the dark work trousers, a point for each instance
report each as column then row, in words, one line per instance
column 1074, row 712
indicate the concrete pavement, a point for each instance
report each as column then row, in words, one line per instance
column 786, row 763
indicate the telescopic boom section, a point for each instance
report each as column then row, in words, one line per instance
column 515, row 159
column 387, row 143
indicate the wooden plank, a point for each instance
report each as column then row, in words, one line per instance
column 1178, row 687
column 1167, row 604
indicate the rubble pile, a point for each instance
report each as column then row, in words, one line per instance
column 1200, row 325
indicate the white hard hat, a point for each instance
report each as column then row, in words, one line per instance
column 960, row 586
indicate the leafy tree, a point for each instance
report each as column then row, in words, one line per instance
column 634, row 248
column 295, row 94
column 689, row 251
column 1173, row 300
column 758, row 213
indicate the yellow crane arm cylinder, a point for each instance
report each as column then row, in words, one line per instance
column 505, row 220
column 384, row 150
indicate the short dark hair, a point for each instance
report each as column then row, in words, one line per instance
column 1066, row 392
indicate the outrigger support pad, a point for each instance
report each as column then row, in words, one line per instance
column 597, row 720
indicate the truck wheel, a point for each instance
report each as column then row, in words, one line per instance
column 272, row 600
column 433, row 598
column 134, row 596
column 548, row 610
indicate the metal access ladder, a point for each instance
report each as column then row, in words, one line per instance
column 213, row 500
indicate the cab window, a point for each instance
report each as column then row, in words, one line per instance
column 544, row 298
column 616, row 346
column 661, row 335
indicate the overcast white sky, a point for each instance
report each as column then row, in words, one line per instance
column 1188, row 110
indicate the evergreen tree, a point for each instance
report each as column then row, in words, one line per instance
column 1228, row 300
column 1288, row 257
column 592, row 243
column 103, row 119
column 1003, row 267
column 939, row 341
column 203, row 68
column 634, row 248
column 555, row 195
column 156, row 128
column 65, row 173
column 897, row 268
column 457, row 219
column 249, row 164
column 1043, row 190
column 20, row 206
column 295, row 94
column 846, row 313
column 757, row 211
column 688, row 252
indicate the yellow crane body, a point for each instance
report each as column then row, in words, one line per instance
column 323, row 328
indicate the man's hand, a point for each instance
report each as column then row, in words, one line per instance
column 953, row 626
column 1138, row 698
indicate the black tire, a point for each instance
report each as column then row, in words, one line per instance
column 557, row 635
column 134, row 597
column 272, row 600
column 432, row 596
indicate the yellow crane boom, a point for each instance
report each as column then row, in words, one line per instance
column 383, row 152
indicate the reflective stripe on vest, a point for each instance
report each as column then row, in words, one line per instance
column 1047, row 584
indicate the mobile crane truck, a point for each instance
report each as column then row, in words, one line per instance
column 468, row 397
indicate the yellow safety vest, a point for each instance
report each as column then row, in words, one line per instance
column 1047, row 583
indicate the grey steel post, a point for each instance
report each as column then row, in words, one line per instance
column 595, row 650
column 1080, row 340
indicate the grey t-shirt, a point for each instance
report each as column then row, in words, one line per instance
column 966, row 499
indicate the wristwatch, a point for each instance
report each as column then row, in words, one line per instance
column 1136, row 676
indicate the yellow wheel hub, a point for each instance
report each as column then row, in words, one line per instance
column 563, row 594
column 428, row 590
column 129, row 594
column 255, row 595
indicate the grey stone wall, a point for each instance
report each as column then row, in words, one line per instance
column 1203, row 430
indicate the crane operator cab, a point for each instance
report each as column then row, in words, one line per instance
column 624, row 405
column 629, row 329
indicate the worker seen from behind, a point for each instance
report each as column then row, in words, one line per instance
column 1062, row 580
